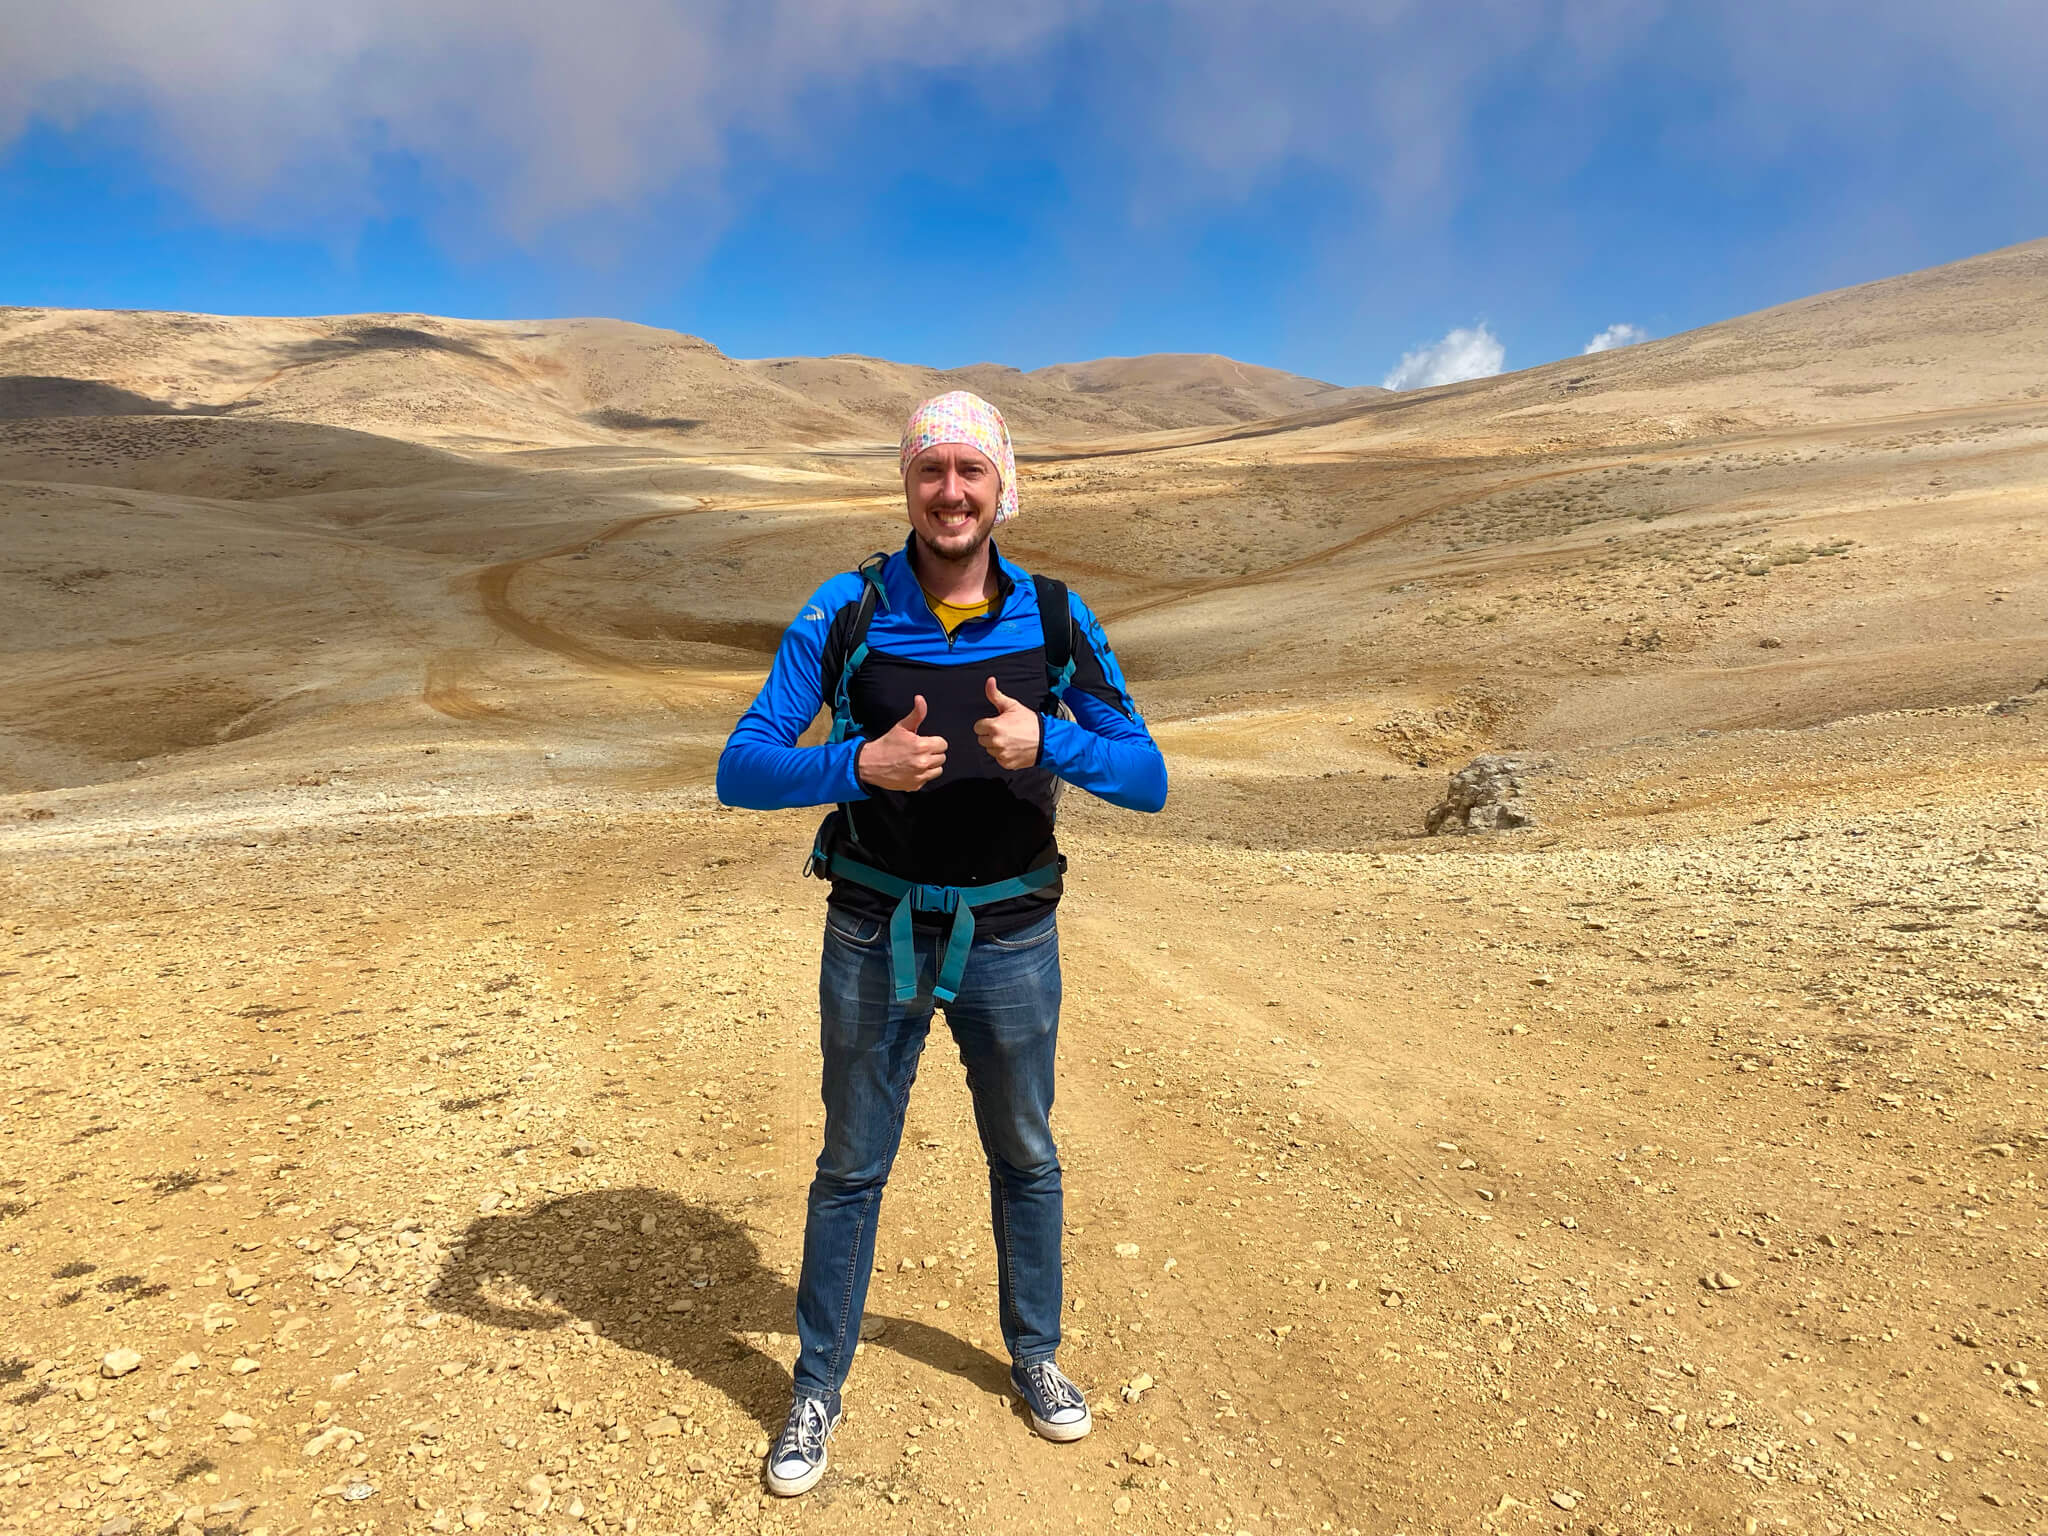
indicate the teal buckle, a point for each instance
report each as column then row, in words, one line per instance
column 960, row 900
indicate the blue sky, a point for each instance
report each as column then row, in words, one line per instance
column 1313, row 185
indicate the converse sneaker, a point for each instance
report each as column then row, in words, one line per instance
column 798, row 1459
column 1057, row 1408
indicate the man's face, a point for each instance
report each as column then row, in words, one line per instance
column 952, row 491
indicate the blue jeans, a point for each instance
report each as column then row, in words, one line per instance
column 1005, row 1022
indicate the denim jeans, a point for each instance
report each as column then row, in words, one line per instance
column 1005, row 1022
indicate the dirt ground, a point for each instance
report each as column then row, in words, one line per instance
column 410, row 1088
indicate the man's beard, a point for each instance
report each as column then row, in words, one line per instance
column 976, row 536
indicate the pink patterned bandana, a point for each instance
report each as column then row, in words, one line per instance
column 961, row 417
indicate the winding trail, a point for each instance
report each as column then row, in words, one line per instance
column 494, row 583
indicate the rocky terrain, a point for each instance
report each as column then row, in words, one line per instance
column 408, row 1072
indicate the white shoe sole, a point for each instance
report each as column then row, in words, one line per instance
column 1060, row 1434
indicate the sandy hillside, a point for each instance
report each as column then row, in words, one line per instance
column 502, row 385
column 408, row 1061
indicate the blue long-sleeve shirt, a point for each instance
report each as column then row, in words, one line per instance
column 977, row 822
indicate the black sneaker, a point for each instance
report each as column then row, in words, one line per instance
column 1057, row 1408
column 798, row 1459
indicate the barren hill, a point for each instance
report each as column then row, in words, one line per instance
column 409, row 1062
column 553, row 383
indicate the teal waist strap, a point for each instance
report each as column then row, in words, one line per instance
column 960, row 900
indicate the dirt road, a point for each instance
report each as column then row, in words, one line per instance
column 449, row 1168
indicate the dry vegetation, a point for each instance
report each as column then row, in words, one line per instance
column 409, row 1064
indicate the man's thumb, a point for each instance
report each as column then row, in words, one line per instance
column 915, row 718
column 997, row 697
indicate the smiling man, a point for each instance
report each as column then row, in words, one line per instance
column 963, row 693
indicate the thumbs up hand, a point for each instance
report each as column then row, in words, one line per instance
column 1011, row 734
column 901, row 758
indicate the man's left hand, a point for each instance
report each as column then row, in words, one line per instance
column 1010, row 735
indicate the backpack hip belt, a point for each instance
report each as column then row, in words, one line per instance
column 960, row 900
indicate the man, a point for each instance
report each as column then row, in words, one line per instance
column 946, row 678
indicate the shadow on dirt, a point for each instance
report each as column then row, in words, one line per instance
column 35, row 396
column 567, row 1261
column 357, row 340
column 632, row 421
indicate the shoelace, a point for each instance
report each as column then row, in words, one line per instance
column 804, row 1434
column 1054, row 1387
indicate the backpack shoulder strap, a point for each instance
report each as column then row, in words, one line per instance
column 846, row 649
column 1056, row 621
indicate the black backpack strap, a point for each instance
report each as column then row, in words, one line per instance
column 846, row 649
column 1056, row 621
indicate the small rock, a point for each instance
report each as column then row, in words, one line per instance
column 583, row 1146
column 1564, row 1499
column 233, row 1420
column 1127, row 1250
column 119, row 1362
column 1486, row 796
column 1137, row 1387
column 185, row 1363
column 665, row 1427
column 244, row 1366
column 1122, row 1506
column 1721, row 1280
column 326, row 1440
column 1146, row 1455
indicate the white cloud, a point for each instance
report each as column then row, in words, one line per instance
column 529, row 113
column 1622, row 335
column 1474, row 353
column 525, row 115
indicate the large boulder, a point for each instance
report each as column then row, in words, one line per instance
column 1486, row 796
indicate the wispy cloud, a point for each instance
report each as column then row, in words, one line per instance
column 1465, row 353
column 1620, row 335
column 529, row 113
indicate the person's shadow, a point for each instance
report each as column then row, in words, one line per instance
column 567, row 1261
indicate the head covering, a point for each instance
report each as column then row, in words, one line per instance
column 961, row 417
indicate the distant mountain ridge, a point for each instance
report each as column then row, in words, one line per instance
column 510, row 384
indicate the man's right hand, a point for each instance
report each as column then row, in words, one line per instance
column 902, row 759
